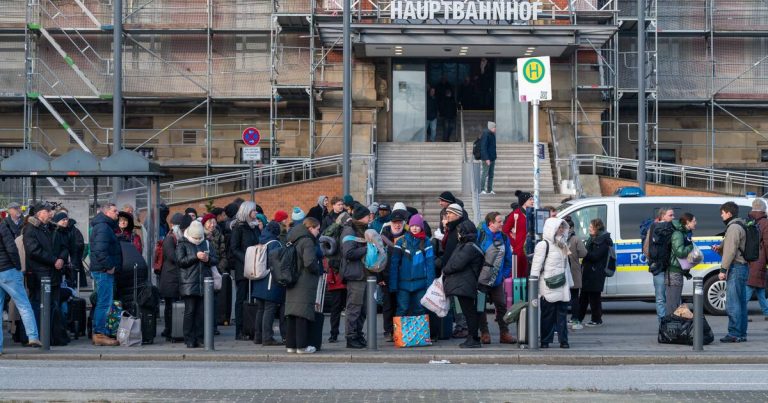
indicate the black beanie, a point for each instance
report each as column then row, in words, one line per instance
column 448, row 197
column 190, row 210
column 522, row 197
column 231, row 210
column 360, row 212
column 186, row 221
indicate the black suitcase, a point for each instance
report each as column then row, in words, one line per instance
column 249, row 315
column 224, row 301
column 316, row 331
column 20, row 334
column 148, row 326
column 77, row 317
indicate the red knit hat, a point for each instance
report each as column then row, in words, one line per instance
column 280, row 216
column 207, row 217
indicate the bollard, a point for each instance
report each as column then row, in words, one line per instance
column 698, row 314
column 371, row 312
column 45, row 313
column 208, row 312
column 533, row 313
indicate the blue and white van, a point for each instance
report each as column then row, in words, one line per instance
column 623, row 217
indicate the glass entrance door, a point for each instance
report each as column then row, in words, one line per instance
column 408, row 102
column 511, row 115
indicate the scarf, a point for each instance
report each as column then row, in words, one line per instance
column 421, row 235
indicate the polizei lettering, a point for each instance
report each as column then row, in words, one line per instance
column 498, row 10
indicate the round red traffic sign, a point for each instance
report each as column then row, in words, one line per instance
column 251, row 136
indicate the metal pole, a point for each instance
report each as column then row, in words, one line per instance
column 533, row 313
column 371, row 313
column 698, row 314
column 642, row 130
column 536, row 168
column 252, row 183
column 117, row 96
column 45, row 313
column 208, row 312
column 347, row 97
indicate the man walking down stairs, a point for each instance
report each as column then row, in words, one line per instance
column 488, row 158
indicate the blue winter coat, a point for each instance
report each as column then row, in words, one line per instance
column 488, row 146
column 485, row 239
column 378, row 223
column 411, row 269
column 266, row 288
column 105, row 248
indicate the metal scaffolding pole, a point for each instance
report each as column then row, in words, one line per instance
column 642, row 130
column 117, row 96
column 347, row 97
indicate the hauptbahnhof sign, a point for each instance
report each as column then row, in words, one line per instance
column 496, row 10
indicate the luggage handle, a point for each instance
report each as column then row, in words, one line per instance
column 135, row 297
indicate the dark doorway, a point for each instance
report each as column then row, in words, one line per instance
column 470, row 81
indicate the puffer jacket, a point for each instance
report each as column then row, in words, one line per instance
column 353, row 252
column 682, row 245
column 546, row 265
column 412, row 266
column 170, row 275
column 485, row 239
column 9, row 253
column 243, row 236
column 448, row 244
column 41, row 255
column 389, row 240
column 593, row 265
column 104, row 247
column 193, row 270
column 461, row 271
column 757, row 274
column 218, row 243
column 578, row 251
column 266, row 288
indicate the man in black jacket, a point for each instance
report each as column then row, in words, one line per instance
column 11, row 279
column 354, row 274
column 106, row 257
column 488, row 158
column 431, row 116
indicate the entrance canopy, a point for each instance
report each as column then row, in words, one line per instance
column 78, row 163
column 471, row 41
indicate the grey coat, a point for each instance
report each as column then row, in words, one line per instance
column 300, row 299
column 578, row 251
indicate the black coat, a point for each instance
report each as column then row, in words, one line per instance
column 105, row 248
column 448, row 244
column 170, row 276
column 41, row 254
column 243, row 236
column 593, row 265
column 461, row 271
column 352, row 253
column 9, row 253
column 318, row 212
column 194, row 270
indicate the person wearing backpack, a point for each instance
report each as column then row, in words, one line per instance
column 245, row 233
column 270, row 296
column 412, row 268
column 498, row 251
column 577, row 251
column 354, row 274
column 757, row 276
column 734, row 271
column 488, row 158
column 682, row 245
column 460, row 279
column 300, row 299
column 550, row 264
column 657, row 249
column 599, row 246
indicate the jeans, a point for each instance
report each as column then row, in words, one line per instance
column 497, row 296
column 431, row 130
column 448, row 125
column 194, row 319
column 355, row 309
column 12, row 283
column 553, row 318
column 660, row 289
column 735, row 300
column 760, row 298
column 487, row 176
column 409, row 303
column 104, row 284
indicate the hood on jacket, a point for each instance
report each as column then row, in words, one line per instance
column 270, row 233
column 298, row 231
column 129, row 218
column 467, row 231
column 321, row 200
column 551, row 225
column 600, row 238
column 102, row 219
column 32, row 220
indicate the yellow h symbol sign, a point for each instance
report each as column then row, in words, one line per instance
column 533, row 71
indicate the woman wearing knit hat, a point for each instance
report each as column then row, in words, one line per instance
column 412, row 268
column 195, row 256
column 297, row 216
column 516, row 227
column 124, row 231
column 214, row 236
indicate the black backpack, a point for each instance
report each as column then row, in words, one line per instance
column 751, row 250
column 286, row 273
column 660, row 248
column 476, row 149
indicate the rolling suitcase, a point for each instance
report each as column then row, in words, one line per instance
column 76, row 317
column 522, row 327
column 520, row 290
column 249, row 316
column 148, row 319
column 177, row 321
column 224, row 301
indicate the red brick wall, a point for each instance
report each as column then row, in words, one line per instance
column 284, row 197
column 609, row 185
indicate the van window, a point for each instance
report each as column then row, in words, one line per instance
column 583, row 216
column 708, row 222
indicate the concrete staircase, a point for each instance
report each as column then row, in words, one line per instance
column 416, row 174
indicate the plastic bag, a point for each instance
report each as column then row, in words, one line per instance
column 435, row 300
column 696, row 256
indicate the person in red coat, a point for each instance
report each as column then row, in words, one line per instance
column 515, row 226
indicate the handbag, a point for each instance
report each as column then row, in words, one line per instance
column 216, row 278
column 556, row 281
column 610, row 263
column 129, row 331
column 435, row 300
column 411, row 331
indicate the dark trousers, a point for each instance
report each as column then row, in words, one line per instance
column 168, row 315
column 469, row 308
column 554, row 316
column 58, row 331
column 265, row 319
column 388, row 310
column 241, row 294
column 499, row 299
column 355, row 309
column 336, row 301
column 297, row 335
column 594, row 301
column 193, row 319
column 449, row 124
column 575, row 303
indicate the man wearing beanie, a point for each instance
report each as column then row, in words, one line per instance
column 445, row 200
column 106, row 257
column 392, row 232
column 454, row 216
column 297, row 216
column 757, row 276
column 488, row 157
column 381, row 218
column 516, row 228
column 354, row 274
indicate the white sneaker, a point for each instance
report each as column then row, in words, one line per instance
column 492, row 192
column 290, row 350
column 308, row 350
column 483, row 193
column 577, row 326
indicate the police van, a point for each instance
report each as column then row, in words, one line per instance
column 623, row 217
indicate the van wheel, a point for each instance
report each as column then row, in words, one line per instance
column 714, row 296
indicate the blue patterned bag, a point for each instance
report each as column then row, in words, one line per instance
column 411, row 331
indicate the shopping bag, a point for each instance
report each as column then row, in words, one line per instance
column 435, row 300
column 411, row 331
column 129, row 331
column 113, row 318
column 216, row 278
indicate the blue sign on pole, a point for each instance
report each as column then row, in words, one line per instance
column 251, row 136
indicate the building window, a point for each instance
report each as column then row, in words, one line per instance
column 146, row 152
column 764, row 155
column 189, row 137
column 80, row 134
column 6, row 152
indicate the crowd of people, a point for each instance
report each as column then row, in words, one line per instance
column 333, row 243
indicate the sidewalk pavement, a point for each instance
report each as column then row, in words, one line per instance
column 628, row 336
